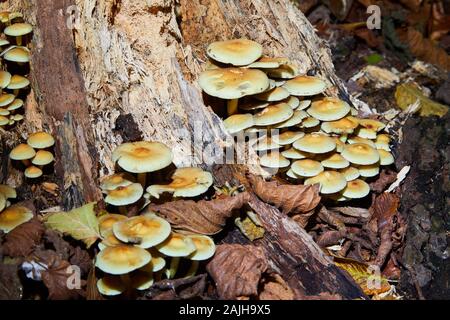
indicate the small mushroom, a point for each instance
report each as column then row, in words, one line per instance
column 18, row 82
column 42, row 158
column 106, row 222
column 369, row 171
column 23, row 152
column 238, row 52
column 274, row 160
column 344, row 125
column 273, row 95
column 306, row 168
column 6, row 99
column 204, row 250
column 5, row 79
column 315, row 143
column 122, row 259
column 386, row 158
column 13, row 216
column 361, row 154
column 116, row 180
column 124, row 196
column 273, row 114
column 296, row 119
column 238, row 122
column 16, row 104
column 287, row 137
column 335, row 161
column 356, row 189
column 18, row 30
column 33, row 172
column 305, row 86
column 111, row 285
column 293, row 153
column 17, row 54
column 40, row 140
column 329, row 109
column 330, row 182
column 350, row 173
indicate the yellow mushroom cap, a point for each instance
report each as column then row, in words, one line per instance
column 238, row 52
column 16, row 104
column 17, row 54
column 335, row 161
column 204, row 247
column 146, row 230
column 268, row 63
column 293, row 102
column 111, row 286
column 372, row 124
column 265, row 144
column 156, row 264
column 360, row 153
column 22, row 152
column 18, row 29
column 344, row 125
column 18, row 82
column 33, row 172
column 177, row 245
column 238, row 122
column 307, row 168
column 304, row 104
column 3, row 202
column 273, row 95
column 14, row 216
column 8, row 192
column 305, row 86
column 287, row 137
column 4, row 112
column 368, row 142
column 106, row 222
column 17, row 117
column 122, row 259
column 142, row 156
column 370, row 170
column 109, row 240
column 273, row 114
column 3, row 120
column 274, row 160
column 291, row 174
column 329, row 109
column 315, row 143
column 5, row 79
column 284, row 71
column 296, row 119
column 339, row 144
column 233, row 83
column 356, row 189
column 309, row 122
column 382, row 137
column 350, row 173
column 116, row 180
column 186, row 182
column 366, row 133
column 122, row 196
column 293, row 153
column 329, row 181
column 382, row 142
column 42, row 158
column 3, row 42
column 386, row 158
column 40, row 140
column 6, row 99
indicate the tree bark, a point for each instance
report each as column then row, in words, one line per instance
column 128, row 71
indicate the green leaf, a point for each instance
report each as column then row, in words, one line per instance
column 80, row 223
column 408, row 93
column 373, row 58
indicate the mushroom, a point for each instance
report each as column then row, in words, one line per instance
column 287, row 137
column 106, row 222
column 356, row 189
column 361, row 154
column 114, row 181
column 204, row 250
column 109, row 239
column 386, row 157
column 273, row 114
column 111, row 285
column 335, row 161
column 18, row 82
column 232, row 84
column 8, row 192
column 382, row 142
column 268, row 63
column 273, row 95
column 350, row 173
column 274, row 160
column 305, row 86
column 285, row 71
column 265, row 144
column 368, row 142
column 17, row 54
column 304, row 104
column 309, row 122
column 329, row 109
column 344, row 125
column 176, row 246
column 366, row 133
column 296, row 119
column 307, row 168
column 40, row 140
column 6, row 99
column 373, row 125
column 122, row 259
column 238, row 52
column 315, row 143
column 125, row 195
column 238, row 122
column 144, row 231
column 42, row 158
column 369, row 171
column 3, row 120
column 33, row 172
column 5, row 79
column 18, row 30
column 4, row 112
column 16, row 104
column 293, row 153
column 13, row 217
column 156, row 264
column 330, row 182
column 293, row 102
column 186, row 182
column 22, row 152
column 142, row 157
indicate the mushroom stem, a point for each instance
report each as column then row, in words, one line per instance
column 193, row 269
column 173, row 267
column 232, row 106
column 123, row 210
column 16, row 92
column 19, row 40
column 142, row 179
column 27, row 163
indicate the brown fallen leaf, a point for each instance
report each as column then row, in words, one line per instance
column 21, row 241
column 275, row 288
column 205, row 216
column 236, row 270
column 176, row 289
column 10, row 286
column 57, row 276
column 291, row 199
column 383, row 181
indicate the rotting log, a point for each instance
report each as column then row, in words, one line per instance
column 128, row 71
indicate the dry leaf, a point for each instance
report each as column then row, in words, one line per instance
column 10, row 286
column 369, row 281
column 383, row 181
column 176, row 289
column 291, row 199
column 275, row 288
column 407, row 94
column 21, row 241
column 57, row 276
column 205, row 217
column 236, row 270
column 80, row 223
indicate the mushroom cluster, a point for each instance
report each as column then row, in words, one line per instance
column 14, row 57
column 307, row 137
column 35, row 154
column 11, row 216
column 133, row 252
column 137, row 159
